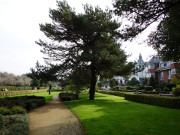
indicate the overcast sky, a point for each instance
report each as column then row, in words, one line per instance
column 19, row 29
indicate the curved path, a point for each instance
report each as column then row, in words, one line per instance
column 54, row 118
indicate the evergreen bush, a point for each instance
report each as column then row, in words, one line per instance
column 166, row 89
column 170, row 86
column 67, row 96
column 5, row 111
column 1, row 122
column 148, row 88
column 18, row 110
column 170, row 102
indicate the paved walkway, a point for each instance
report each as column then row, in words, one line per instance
column 54, row 118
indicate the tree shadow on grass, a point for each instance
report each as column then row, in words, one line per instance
column 112, row 115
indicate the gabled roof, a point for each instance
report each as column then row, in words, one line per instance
column 155, row 60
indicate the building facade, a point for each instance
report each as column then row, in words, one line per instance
column 162, row 71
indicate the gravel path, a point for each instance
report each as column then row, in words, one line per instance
column 54, row 118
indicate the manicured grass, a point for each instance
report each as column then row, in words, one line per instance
column 112, row 115
column 42, row 94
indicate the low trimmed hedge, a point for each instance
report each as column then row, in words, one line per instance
column 15, row 125
column 121, row 94
column 26, row 102
column 1, row 122
column 67, row 96
column 22, row 92
column 148, row 88
column 16, row 88
column 170, row 102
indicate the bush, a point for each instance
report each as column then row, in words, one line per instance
column 148, row 88
column 22, row 92
column 169, row 102
column 1, row 122
column 18, row 110
column 162, row 85
column 176, row 90
column 16, row 125
column 67, row 96
column 130, row 88
column 166, row 89
column 5, row 111
column 170, row 86
column 152, row 92
column 140, row 87
column 15, row 88
column 121, row 94
column 26, row 102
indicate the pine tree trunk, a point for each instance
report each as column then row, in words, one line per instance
column 93, row 83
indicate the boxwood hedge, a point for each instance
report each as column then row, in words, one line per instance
column 27, row 102
column 170, row 102
column 22, row 92
column 121, row 94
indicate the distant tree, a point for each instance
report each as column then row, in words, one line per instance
column 42, row 74
column 113, row 83
column 142, row 13
column 145, row 81
column 152, row 82
column 9, row 79
column 85, row 41
column 133, row 82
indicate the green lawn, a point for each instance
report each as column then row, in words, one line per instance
column 42, row 94
column 112, row 115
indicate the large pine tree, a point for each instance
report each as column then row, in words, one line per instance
column 142, row 13
column 85, row 41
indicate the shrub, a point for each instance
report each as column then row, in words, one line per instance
column 176, row 90
column 130, row 88
column 22, row 92
column 1, row 122
column 170, row 86
column 16, row 125
column 140, row 87
column 166, row 89
column 162, row 85
column 18, row 110
column 26, row 102
column 121, row 94
column 67, row 96
column 5, row 111
column 152, row 92
column 133, row 82
column 148, row 88
column 176, row 80
column 152, row 82
column 170, row 102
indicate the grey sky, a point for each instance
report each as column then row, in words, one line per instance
column 19, row 29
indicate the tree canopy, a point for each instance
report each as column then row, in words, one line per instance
column 84, row 42
column 142, row 13
column 42, row 74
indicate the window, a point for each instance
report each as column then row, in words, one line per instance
column 174, row 71
column 169, row 74
column 161, row 76
column 162, row 65
column 151, row 66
